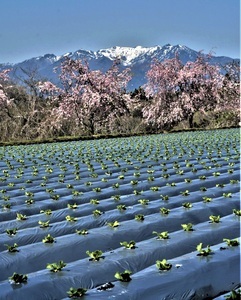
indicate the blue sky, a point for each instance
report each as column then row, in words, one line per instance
column 31, row 28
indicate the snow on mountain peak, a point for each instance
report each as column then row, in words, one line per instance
column 126, row 54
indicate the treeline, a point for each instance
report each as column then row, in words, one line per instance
column 89, row 102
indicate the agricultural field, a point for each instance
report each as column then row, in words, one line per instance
column 150, row 217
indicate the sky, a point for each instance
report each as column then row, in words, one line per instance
column 31, row 28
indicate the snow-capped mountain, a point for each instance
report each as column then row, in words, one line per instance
column 138, row 59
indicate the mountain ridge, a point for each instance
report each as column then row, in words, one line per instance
column 138, row 59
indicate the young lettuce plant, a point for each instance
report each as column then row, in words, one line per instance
column 231, row 243
column 18, row 278
column 227, row 195
column 185, row 193
column 214, row 219
column 165, row 197
column 43, row 224
column 237, row 212
column 12, row 248
column 234, row 295
column 82, row 232
column 56, row 267
column 124, row 276
column 161, row 235
column 12, row 231
column 139, row 217
column 143, row 201
column 72, row 206
column 137, row 193
column 30, row 201
column 95, row 255
column 203, row 252
column 116, row 197
column 130, row 245
column 21, row 217
column 48, row 239
column 207, row 199
column 97, row 213
column 94, row 201
column 163, row 265
column 187, row 205
column 164, row 210
column 113, row 224
column 187, row 227
column 70, row 219
column 154, row 188
column 76, row 293
column 47, row 212
column 121, row 207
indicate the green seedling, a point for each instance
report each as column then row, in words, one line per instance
column 185, row 193
column 97, row 213
column 130, row 245
column 165, row 197
column 72, row 206
column 18, row 278
column 21, row 217
column 82, row 232
column 163, row 265
column 139, row 217
column 116, row 197
column 30, row 201
column 95, row 255
column 76, row 293
column 187, row 227
column 113, row 224
column 70, row 219
column 116, row 185
column 12, row 232
column 121, row 207
column 203, row 252
column 69, row 186
column 237, row 212
column 48, row 239
column 143, row 201
column 12, row 248
column 94, row 201
column 154, row 188
column 137, row 193
column 56, row 267
column 164, row 210
column 187, row 205
column 207, row 199
column 43, row 224
column 214, row 219
column 231, row 243
column 124, row 276
column 55, row 197
column 234, row 295
column 162, row 235
column 47, row 212
column 227, row 195
column 220, row 185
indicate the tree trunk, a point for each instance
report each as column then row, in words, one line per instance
column 190, row 120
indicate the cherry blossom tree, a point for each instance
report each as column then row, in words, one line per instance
column 4, row 100
column 90, row 98
column 178, row 90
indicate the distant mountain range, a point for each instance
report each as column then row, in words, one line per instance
column 138, row 59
